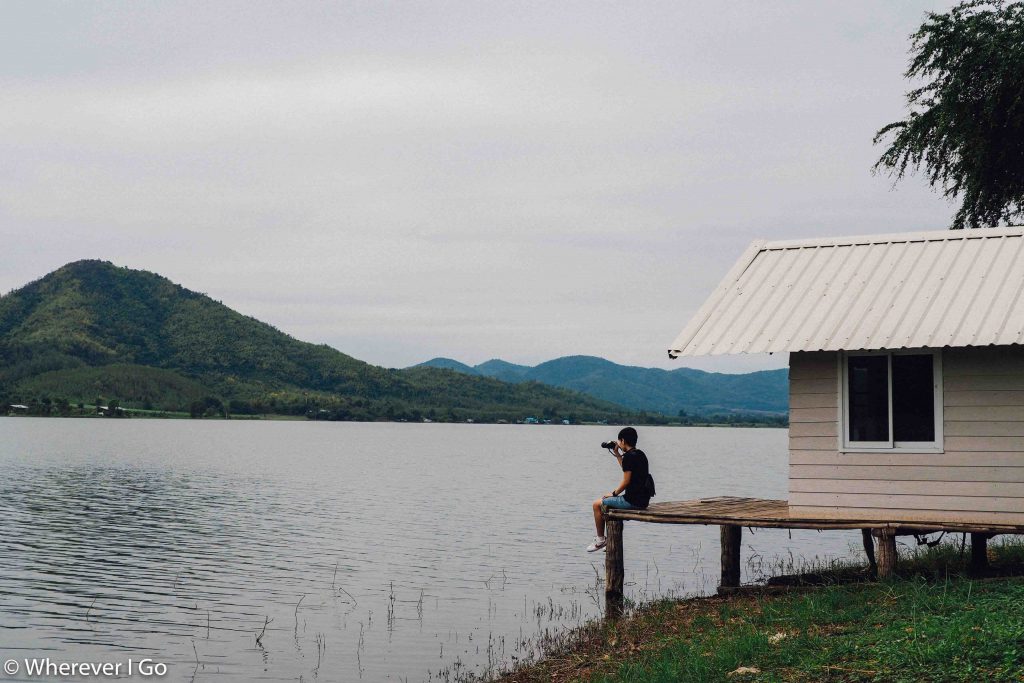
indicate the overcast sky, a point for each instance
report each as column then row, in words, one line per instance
column 464, row 179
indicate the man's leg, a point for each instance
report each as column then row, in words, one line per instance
column 598, row 518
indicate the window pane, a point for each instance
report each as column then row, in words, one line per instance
column 913, row 398
column 869, row 398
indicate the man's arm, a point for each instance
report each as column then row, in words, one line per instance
column 621, row 488
column 617, row 453
column 626, row 474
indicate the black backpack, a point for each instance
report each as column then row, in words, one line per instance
column 649, row 485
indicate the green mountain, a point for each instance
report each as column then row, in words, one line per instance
column 651, row 389
column 449, row 364
column 92, row 330
column 505, row 371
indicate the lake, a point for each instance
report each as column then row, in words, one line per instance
column 373, row 551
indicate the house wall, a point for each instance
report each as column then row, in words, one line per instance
column 978, row 478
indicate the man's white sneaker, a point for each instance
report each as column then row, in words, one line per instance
column 599, row 542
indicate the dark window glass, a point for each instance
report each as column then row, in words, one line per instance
column 913, row 398
column 868, row 379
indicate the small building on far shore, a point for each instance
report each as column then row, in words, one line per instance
column 906, row 370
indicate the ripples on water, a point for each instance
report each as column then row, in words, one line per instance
column 376, row 551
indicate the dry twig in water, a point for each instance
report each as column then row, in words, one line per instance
column 259, row 636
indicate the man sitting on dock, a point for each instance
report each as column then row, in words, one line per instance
column 632, row 493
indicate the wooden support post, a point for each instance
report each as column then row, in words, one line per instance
column 732, row 537
column 613, row 569
column 979, row 553
column 869, row 549
column 886, row 552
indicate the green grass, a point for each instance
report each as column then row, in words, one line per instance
column 931, row 623
column 908, row 630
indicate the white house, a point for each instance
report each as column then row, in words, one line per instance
column 906, row 369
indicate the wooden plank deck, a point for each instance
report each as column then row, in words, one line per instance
column 733, row 513
column 767, row 513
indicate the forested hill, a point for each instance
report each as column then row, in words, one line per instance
column 91, row 331
column 651, row 389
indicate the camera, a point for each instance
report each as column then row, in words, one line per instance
column 607, row 444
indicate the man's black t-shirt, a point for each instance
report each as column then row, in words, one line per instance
column 635, row 461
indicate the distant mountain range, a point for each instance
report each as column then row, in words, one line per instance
column 92, row 332
column 650, row 389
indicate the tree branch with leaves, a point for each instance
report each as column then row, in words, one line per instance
column 966, row 123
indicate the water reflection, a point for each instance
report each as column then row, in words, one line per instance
column 249, row 551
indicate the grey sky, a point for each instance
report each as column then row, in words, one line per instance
column 474, row 180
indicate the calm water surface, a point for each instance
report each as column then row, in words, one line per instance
column 360, row 551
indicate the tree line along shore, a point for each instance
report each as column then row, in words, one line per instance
column 214, row 408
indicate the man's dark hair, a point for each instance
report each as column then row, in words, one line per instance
column 628, row 434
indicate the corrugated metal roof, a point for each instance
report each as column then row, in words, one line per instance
column 909, row 290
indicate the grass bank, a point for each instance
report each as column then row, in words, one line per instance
column 934, row 623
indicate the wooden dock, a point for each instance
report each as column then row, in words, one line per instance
column 732, row 514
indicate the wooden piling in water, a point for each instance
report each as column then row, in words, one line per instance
column 979, row 553
column 886, row 552
column 869, row 550
column 732, row 536
column 613, row 568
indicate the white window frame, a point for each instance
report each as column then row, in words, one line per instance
column 890, row 446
